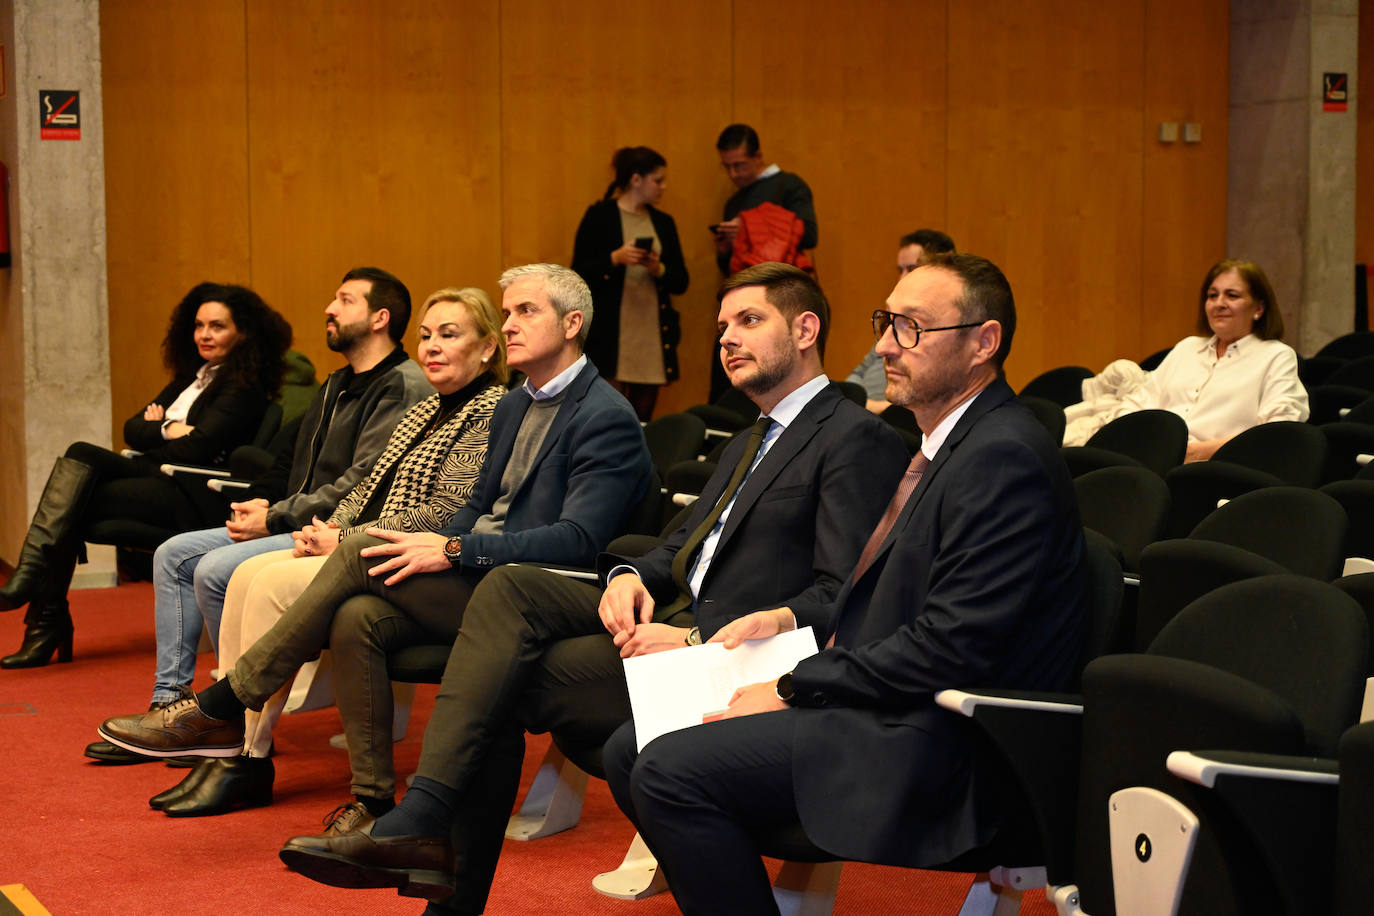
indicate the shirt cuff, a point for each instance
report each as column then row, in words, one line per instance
column 622, row 568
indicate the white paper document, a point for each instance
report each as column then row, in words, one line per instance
column 675, row 689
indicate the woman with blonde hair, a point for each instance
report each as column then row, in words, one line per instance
column 422, row 478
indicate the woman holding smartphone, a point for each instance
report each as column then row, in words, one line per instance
column 627, row 251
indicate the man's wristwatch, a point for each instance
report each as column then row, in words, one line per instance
column 453, row 547
column 693, row 637
column 784, row 688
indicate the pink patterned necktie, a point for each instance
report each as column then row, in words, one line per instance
column 905, row 488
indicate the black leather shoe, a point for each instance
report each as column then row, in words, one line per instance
column 189, row 782
column 417, row 866
column 108, row 753
column 228, row 783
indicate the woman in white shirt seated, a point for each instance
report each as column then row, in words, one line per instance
column 1240, row 376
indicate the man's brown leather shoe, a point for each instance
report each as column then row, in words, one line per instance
column 346, row 819
column 417, row 866
column 175, row 730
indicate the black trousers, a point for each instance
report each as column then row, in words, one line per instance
column 532, row 652
column 700, row 796
column 138, row 491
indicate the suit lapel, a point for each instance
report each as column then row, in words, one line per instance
column 791, row 442
column 572, row 402
column 991, row 397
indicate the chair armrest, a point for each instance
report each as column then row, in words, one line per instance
column 967, row 704
column 171, row 470
column 130, row 453
column 568, row 572
column 682, row 500
column 1204, row 767
column 219, row 485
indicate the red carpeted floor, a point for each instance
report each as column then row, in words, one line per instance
column 81, row 837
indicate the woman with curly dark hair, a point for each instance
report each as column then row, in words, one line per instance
column 224, row 348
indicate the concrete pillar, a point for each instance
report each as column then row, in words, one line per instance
column 54, row 301
column 1291, row 188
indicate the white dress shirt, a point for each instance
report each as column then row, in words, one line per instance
column 180, row 409
column 1254, row 382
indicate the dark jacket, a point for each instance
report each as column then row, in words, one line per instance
column 224, row 416
column 345, row 428
column 979, row 584
column 597, row 236
column 798, row 523
column 590, row 472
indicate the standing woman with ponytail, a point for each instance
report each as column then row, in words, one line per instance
column 627, row 251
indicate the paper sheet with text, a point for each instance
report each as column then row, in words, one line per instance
column 675, row 689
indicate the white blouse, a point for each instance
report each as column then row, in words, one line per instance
column 180, row 409
column 1254, row 382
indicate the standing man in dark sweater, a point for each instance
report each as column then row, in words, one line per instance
column 757, row 183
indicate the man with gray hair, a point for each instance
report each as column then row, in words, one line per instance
column 566, row 462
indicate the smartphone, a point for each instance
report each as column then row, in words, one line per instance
column 645, row 243
column 714, row 227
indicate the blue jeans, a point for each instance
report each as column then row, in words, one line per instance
column 190, row 575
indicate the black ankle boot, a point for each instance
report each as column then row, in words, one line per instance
column 52, row 532
column 227, row 783
column 49, row 630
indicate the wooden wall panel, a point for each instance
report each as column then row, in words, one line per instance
column 580, row 84
column 176, row 166
column 1045, row 169
column 1186, row 80
column 373, row 139
column 854, row 102
column 445, row 143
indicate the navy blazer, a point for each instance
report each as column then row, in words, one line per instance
column 591, row 470
column 980, row 584
column 799, row 522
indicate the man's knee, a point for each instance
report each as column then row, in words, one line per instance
column 362, row 620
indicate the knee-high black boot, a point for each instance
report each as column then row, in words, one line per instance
column 52, row 533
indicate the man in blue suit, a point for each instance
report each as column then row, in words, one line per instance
column 565, row 464
column 973, row 578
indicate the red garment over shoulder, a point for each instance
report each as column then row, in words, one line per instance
column 769, row 232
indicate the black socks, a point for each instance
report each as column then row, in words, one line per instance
column 219, row 702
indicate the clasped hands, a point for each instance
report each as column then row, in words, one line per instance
column 627, row 611
column 317, row 539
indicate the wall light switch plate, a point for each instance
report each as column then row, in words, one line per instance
column 1168, row 132
column 1192, row 133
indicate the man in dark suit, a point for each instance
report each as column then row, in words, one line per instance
column 815, row 477
column 974, row 578
column 566, row 462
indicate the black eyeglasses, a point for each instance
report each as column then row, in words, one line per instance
column 905, row 330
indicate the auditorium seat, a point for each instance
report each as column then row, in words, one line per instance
column 1154, row 439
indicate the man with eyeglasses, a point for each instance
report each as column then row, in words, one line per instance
column 911, row 250
column 973, row 578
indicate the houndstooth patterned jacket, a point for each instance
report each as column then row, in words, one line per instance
column 435, row 479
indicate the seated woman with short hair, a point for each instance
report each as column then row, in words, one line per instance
column 1238, row 375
